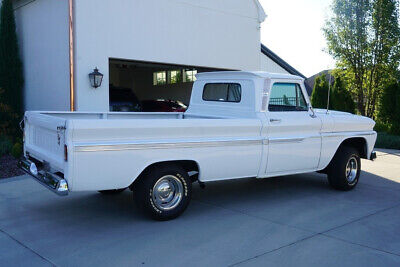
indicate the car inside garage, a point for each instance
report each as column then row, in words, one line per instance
column 137, row 86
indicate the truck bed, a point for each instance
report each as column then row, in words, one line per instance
column 84, row 146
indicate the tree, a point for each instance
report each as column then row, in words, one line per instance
column 8, row 119
column 389, row 110
column 364, row 38
column 11, row 76
column 319, row 96
column 341, row 97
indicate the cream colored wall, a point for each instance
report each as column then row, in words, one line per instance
column 212, row 33
column 269, row 65
column 42, row 29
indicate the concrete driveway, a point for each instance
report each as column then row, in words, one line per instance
column 287, row 221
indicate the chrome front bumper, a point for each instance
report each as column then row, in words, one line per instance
column 51, row 181
column 373, row 155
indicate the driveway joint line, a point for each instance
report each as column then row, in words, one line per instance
column 28, row 248
column 361, row 245
column 361, row 218
column 273, row 250
column 323, row 233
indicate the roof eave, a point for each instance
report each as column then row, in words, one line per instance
column 266, row 51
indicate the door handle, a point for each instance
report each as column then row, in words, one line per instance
column 275, row 120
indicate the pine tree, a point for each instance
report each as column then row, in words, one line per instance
column 11, row 76
column 319, row 96
column 341, row 97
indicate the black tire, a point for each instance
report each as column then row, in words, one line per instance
column 112, row 192
column 341, row 165
column 171, row 175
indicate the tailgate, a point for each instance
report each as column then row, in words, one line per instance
column 45, row 138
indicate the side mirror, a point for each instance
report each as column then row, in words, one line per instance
column 310, row 108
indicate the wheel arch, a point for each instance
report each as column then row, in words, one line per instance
column 187, row 165
column 358, row 142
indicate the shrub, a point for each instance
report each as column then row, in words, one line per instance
column 385, row 140
column 341, row 97
column 8, row 120
column 381, row 127
column 16, row 151
column 5, row 145
column 389, row 109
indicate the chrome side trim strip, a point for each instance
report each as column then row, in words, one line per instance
column 285, row 140
column 163, row 145
column 291, row 140
column 342, row 134
column 137, row 145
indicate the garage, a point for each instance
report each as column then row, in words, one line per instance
column 147, row 51
column 137, row 86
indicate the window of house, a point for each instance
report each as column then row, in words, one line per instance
column 190, row 75
column 287, row 97
column 175, row 76
column 159, row 78
column 223, row 92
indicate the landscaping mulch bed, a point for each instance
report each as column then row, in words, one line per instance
column 8, row 167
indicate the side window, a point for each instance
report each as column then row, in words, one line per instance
column 287, row 97
column 222, row 92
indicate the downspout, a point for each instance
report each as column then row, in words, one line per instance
column 71, row 56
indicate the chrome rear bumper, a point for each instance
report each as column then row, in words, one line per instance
column 51, row 181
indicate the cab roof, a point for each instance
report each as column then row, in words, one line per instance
column 249, row 74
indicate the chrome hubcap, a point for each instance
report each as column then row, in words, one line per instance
column 167, row 192
column 351, row 170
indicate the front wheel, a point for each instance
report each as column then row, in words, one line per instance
column 164, row 192
column 345, row 168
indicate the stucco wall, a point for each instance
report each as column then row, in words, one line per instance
column 218, row 34
column 42, row 28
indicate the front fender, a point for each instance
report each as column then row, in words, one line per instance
column 332, row 141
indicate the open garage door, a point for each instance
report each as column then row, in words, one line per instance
column 151, row 87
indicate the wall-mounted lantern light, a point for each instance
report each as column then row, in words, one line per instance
column 96, row 78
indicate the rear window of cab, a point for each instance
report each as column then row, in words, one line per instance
column 222, row 92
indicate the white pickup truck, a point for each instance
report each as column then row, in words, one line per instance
column 238, row 125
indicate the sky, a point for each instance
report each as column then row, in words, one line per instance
column 293, row 30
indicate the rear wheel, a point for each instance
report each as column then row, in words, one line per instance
column 164, row 192
column 345, row 168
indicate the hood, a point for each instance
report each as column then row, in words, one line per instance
column 338, row 121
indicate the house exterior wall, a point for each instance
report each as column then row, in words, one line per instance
column 218, row 34
column 269, row 65
column 42, row 28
